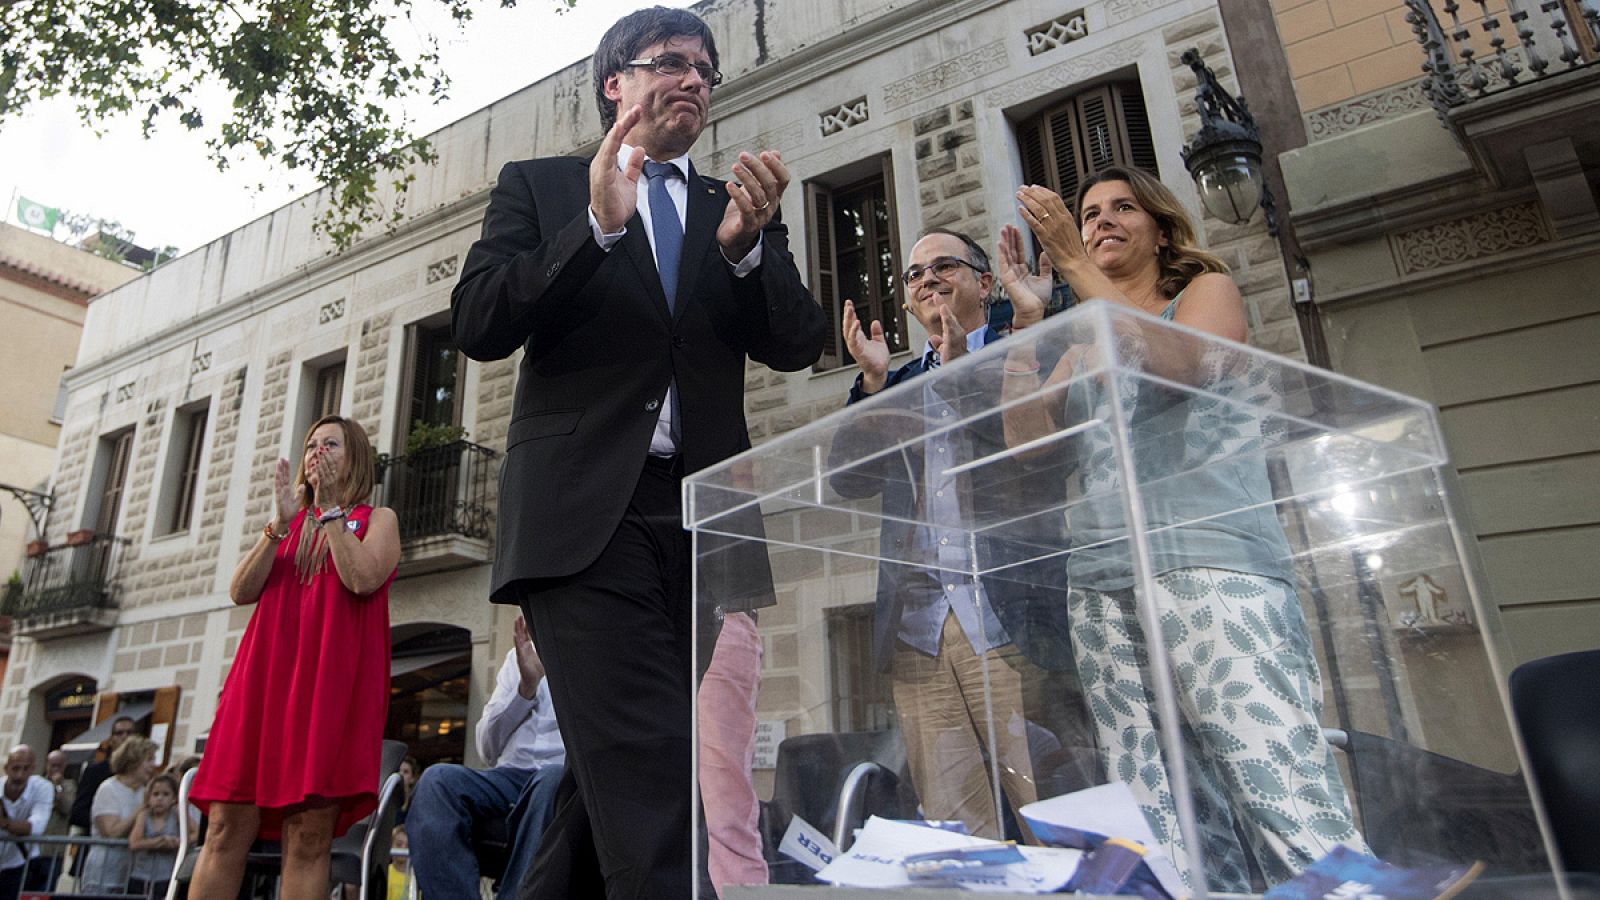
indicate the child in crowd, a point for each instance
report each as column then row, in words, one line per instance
column 400, row 885
column 154, row 838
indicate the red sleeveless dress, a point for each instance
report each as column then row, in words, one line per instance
column 302, row 713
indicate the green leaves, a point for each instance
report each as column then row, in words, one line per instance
column 312, row 85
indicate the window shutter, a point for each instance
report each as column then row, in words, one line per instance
column 164, row 711
column 1031, row 143
column 896, row 299
column 1139, row 144
column 105, row 706
column 1100, row 127
column 1100, row 144
column 824, row 279
column 116, row 479
column 1067, row 169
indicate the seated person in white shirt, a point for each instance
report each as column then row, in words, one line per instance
column 518, row 736
column 26, row 810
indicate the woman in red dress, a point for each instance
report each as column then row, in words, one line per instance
column 294, row 749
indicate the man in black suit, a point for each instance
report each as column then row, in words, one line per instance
column 636, row 289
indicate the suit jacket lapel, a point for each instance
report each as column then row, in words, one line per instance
column 704, row 214
column 637, row 245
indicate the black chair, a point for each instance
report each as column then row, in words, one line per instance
column 491, row 844
column 1556, row 701
column 834, row 782
column 360, row 856
column 1418, row 808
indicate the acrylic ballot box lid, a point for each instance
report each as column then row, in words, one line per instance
column 997, row 537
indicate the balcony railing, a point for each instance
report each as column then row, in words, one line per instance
column 69, row 588
column 1472, row 52
column 442, row 498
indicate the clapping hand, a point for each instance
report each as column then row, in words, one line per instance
column 1028, row 292
column 287, row 492
column 951, row 341
column 322, row 473
column 871, row 352
column 753, row 196
column 529, row 667
column 1057, row 229
column 613, row 191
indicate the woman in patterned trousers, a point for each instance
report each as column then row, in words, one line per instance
column 1249, row 691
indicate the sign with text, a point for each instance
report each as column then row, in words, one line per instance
column 769, row 734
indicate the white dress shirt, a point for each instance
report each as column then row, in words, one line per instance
column 515, row 731
column 38, row 796
column 661, row 444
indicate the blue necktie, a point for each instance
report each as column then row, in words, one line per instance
column 931, row 361
column 664, row 224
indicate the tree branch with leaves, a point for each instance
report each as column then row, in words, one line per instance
column 313, row 85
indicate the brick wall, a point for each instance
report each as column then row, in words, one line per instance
column 1339, row 49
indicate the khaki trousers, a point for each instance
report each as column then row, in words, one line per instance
column 945, row 722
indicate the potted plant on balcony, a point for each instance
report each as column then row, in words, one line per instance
column 425, row 497
column 13, row 593
column 425, row 436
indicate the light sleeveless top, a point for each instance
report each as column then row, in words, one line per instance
column 1199, row 456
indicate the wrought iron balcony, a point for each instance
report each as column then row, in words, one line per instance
column 442, row 498
column 68, row 588
column 1479, row 53
column 1520, row 90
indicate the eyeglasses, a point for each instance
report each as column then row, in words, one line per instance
column 122, row 733
column 672, row 66
column 943, row 267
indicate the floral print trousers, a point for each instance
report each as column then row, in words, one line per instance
column 1250, row 695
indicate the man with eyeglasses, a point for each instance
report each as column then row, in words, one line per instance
column 953, row 644
column 637, row 289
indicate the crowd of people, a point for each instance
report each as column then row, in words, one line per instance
column 120, row 794
column 637, row 288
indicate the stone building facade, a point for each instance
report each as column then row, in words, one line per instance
column 45, row 287
column 1450, row 223
column 204, row 372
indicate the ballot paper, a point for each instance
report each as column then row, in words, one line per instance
column 1084, row 818
column 802, row 841
column 1345, row 873
column 877, row 860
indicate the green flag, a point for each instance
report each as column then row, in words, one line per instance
column 37, row 215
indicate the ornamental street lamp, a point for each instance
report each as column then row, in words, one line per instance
column 1225, row 157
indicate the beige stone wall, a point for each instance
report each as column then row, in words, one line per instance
column 42, row 341
column 1341, row 49
column 44, row 291
column 270, row 422
column 942, row 98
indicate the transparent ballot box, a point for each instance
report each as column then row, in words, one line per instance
column 1107, row 577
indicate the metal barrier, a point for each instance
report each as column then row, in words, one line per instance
column 55, row 866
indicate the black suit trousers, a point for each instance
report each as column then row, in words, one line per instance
column 616, row 641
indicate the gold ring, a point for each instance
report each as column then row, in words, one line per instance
column 1043, row 217
column 765, row 205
